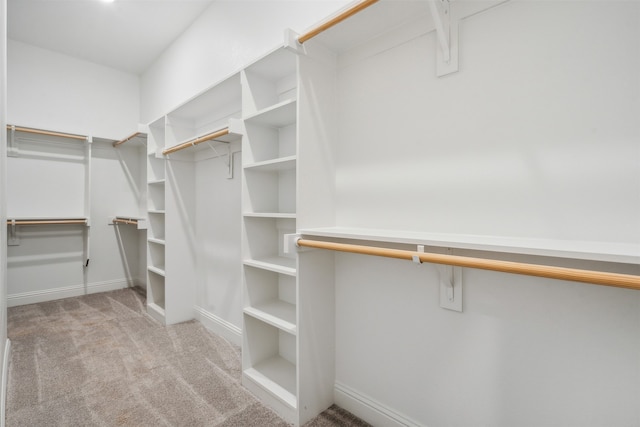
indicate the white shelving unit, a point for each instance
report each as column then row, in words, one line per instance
column 174, row 254
column 156, row 227
column 270, row 342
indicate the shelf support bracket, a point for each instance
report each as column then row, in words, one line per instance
column 450, row 278
column 12, row 239
column 12, row 150
column 447, row 36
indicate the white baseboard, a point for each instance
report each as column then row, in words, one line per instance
column 219, row 326
column 65, row 292
column 370, row 410
column 3, row 386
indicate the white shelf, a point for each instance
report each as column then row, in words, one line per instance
column 276, row 264
column 279, row 115
column 270, row 215
column 156, row 270
column 155, row 311
column 277, row 376
column 155, row 211
column 156, row 241
column 157, row 182
column 275, row 165
column 594, row 251
column 277, row 313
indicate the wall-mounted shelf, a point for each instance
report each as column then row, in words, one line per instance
column 593, row 251
column 140, row 223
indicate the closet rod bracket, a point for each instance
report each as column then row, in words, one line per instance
column 12, row 150
column 446, row 24
column 291, row 244
column 12, row 238
column 291, row 42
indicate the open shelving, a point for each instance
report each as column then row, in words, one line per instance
column 269, row 188
column 157, row 223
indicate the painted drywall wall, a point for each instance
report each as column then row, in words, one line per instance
column 228, row 36
column 3, row 212
column 48, row 90
column 543, row 125
column 47, row 261
column 217, row 219
column 536, row 136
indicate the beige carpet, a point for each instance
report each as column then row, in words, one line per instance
column 99, row 360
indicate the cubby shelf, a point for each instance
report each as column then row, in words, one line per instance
column 158, row 309
column 277, row 264
column 275, row 165
column 276, row 376
column 277, row 313
column 156, row 270
column 279, row 115
column 156, row 182
column 269, row 215
column 156, row 241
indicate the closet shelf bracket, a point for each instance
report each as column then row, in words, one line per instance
column 446, row 24
column 12, row 150
column 450, row 278
column 12, row 239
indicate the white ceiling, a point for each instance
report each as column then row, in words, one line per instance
column 127, row 34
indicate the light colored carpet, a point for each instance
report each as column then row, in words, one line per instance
column 99, row 360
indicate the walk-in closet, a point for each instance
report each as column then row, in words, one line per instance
column 320, row 213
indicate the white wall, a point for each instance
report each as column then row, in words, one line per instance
column 218, row 216
column 228, row 36
column 537, row 129
column 48, row 90
column 537, row 136
column 3, row 213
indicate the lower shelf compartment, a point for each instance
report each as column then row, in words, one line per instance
column 156, row 311
column 277, row 376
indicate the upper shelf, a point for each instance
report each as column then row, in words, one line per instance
column 594, row 251
column 279, row 115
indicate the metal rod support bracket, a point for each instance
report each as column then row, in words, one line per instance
column 13, row 239
column 447, row 35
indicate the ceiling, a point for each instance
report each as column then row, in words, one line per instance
column 127, row 35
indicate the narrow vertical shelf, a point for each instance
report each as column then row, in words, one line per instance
column 157, row 224
column 269, row 146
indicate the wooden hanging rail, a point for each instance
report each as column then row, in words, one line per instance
column 128, row 221
column 585, row 276
column 335, row 20
column 46, row 132
column 129, row 138
column 196, row 141
column 46, row 221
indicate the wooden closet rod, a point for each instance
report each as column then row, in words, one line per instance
column 130, row 137
column 125, row 221
column 46, row 221
column 46, row 132
column 196, row 141
column 335, row 20
column 586, row 276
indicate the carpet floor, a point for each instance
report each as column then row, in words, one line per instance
column 99, row 360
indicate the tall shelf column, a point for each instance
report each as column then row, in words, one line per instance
column 156, row 214
column 270, row 339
